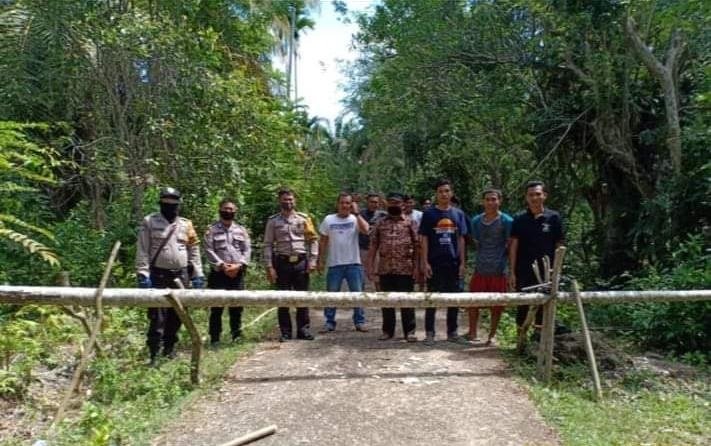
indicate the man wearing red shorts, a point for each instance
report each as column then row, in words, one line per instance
column 491, row 231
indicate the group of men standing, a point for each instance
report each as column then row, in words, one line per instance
column 391, row 249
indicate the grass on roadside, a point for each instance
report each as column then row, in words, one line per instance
column 639, row 407
column 129, row 402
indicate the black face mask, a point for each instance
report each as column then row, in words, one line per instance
column 287, row 206
column 227, row 215
column 169, row 211
column 394, row 210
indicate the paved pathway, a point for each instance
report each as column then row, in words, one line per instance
column 348, row 388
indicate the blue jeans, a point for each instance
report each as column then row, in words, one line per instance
column 353, row 275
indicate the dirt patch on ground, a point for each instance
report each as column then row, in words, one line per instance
column 348, row 388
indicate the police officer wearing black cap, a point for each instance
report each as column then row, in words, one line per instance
column 167, row 249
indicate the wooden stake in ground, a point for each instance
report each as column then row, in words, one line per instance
column 194, row 334
column 588, row 342
column 250, row 437
column 545, row 351
column 533, row 309
column 96, row 329
column 76, row 313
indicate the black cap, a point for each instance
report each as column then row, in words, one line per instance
column 168, row 194
column 395, row 196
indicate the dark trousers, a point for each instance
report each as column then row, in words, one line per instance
column 397, row 282
column 292, row 276
column 445, row 279
column 218, row 280
column 164, row 323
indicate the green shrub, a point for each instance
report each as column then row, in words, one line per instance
column 682, row 327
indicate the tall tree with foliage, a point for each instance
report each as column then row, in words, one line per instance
column 502, row 92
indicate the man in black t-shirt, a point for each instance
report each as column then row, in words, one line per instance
column 536, row 233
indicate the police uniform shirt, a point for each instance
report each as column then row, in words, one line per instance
column 290, row 236
column 181, row 249
column 227, row 244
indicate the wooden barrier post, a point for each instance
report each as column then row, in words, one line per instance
column 545, row 348
column 96, row 329
column 588, row 343
column 194, row 334
column 543, row 281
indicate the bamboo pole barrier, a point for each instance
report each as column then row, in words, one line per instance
column 545, row 347
column 137, row 297
column 588, row 343
column 96, row 329
column 144, row 298
column 192, row 329
column 618, row 297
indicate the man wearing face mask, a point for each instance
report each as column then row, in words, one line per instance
column 228, row 250
column 394, row 243
column 167, row 249
column 290, row 255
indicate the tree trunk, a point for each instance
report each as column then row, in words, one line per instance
column 666, row 74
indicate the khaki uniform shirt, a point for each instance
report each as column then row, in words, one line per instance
column 395, row 239
column 291, row 235
column 227, row 244
column 181, row 250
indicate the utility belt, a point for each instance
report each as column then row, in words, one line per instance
column 294, row 258
column 172, row 273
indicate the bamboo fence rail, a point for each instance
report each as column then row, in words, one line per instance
column 137, row 297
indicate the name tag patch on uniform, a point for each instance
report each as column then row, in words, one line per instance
column 546, row 227
column 293, row 259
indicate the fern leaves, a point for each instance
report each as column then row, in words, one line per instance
column 30, row 245
column 22, row 164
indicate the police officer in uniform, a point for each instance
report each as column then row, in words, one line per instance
column 228, row 251
column 290, row 254
column 168, row 248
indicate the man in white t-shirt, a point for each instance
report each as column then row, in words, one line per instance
column 340, row 251
column 408, row 209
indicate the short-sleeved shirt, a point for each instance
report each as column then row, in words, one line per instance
column 395, row 238
column 416, row 216
column 181, row 249
column 342, row 233
column 443, row 229
column 492, row 239
column 293, row 234
column 227, row 244
column 537, row 237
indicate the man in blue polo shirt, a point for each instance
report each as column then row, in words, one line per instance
column 443, row 229
column 536, row 232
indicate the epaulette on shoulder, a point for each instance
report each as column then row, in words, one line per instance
column 274, row 216
column 303, row 214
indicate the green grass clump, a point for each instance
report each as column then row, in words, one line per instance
column 638, row 407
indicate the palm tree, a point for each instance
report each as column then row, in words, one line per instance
column 289, row 20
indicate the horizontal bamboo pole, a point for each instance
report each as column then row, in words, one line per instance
column 614, row 297
column 136, row 297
